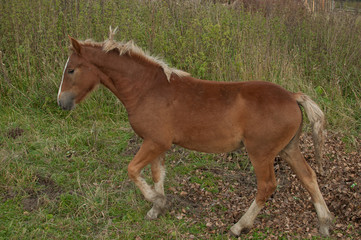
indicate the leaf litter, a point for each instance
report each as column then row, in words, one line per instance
column 289, row 211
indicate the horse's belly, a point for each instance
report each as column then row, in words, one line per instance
column 211, row 147
column 211, row 141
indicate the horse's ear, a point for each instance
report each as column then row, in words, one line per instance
column 75, row 45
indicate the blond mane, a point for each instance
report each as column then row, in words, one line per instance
column 133, row 50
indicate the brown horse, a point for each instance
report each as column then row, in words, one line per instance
column 167, row 106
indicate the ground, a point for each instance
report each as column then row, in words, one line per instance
column 214, row 190
column 220, row 203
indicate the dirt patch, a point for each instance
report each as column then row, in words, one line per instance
column 133, row 146
column 49, row 191
column 15, row 133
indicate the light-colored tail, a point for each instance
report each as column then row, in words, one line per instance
column 317, row 120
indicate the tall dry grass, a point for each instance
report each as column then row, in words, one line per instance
column 314, row 53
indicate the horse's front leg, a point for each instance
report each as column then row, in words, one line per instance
column 154, row 154
column 158, row 175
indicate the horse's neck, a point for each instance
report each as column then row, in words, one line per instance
column 125, row 77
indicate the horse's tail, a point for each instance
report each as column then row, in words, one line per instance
column 317, row 120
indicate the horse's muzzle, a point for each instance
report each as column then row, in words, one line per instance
column 66, row 101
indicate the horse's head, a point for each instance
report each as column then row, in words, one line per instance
column 80, row 77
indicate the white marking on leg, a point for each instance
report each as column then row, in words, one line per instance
column 159, row 186
column 62, row 79
column 147, row 191
column 158, row 200
column 322, row 211
column 324, row 217
column 247, row 219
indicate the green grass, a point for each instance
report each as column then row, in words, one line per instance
column 63, row 175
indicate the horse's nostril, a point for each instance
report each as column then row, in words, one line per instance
column 66, row 101
column 60, row 104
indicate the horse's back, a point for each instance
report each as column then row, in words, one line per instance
column 218, row 117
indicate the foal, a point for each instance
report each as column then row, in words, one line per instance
column 167, row 106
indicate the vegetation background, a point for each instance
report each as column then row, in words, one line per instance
column 63, row 174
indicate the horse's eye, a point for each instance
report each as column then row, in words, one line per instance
column 70, row 71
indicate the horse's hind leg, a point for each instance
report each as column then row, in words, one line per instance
column 308, row 179
column 266, row 185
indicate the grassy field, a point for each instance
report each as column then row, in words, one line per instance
column 63, row 174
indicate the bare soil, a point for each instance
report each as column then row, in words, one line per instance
column 49, row 191
column 15, row 133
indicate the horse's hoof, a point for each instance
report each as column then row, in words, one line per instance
column 232, row 234
column 236, row 232
column 153, row 213
column 324, row 231
column 324, row 228
column 150, row 216
column 325, row 225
